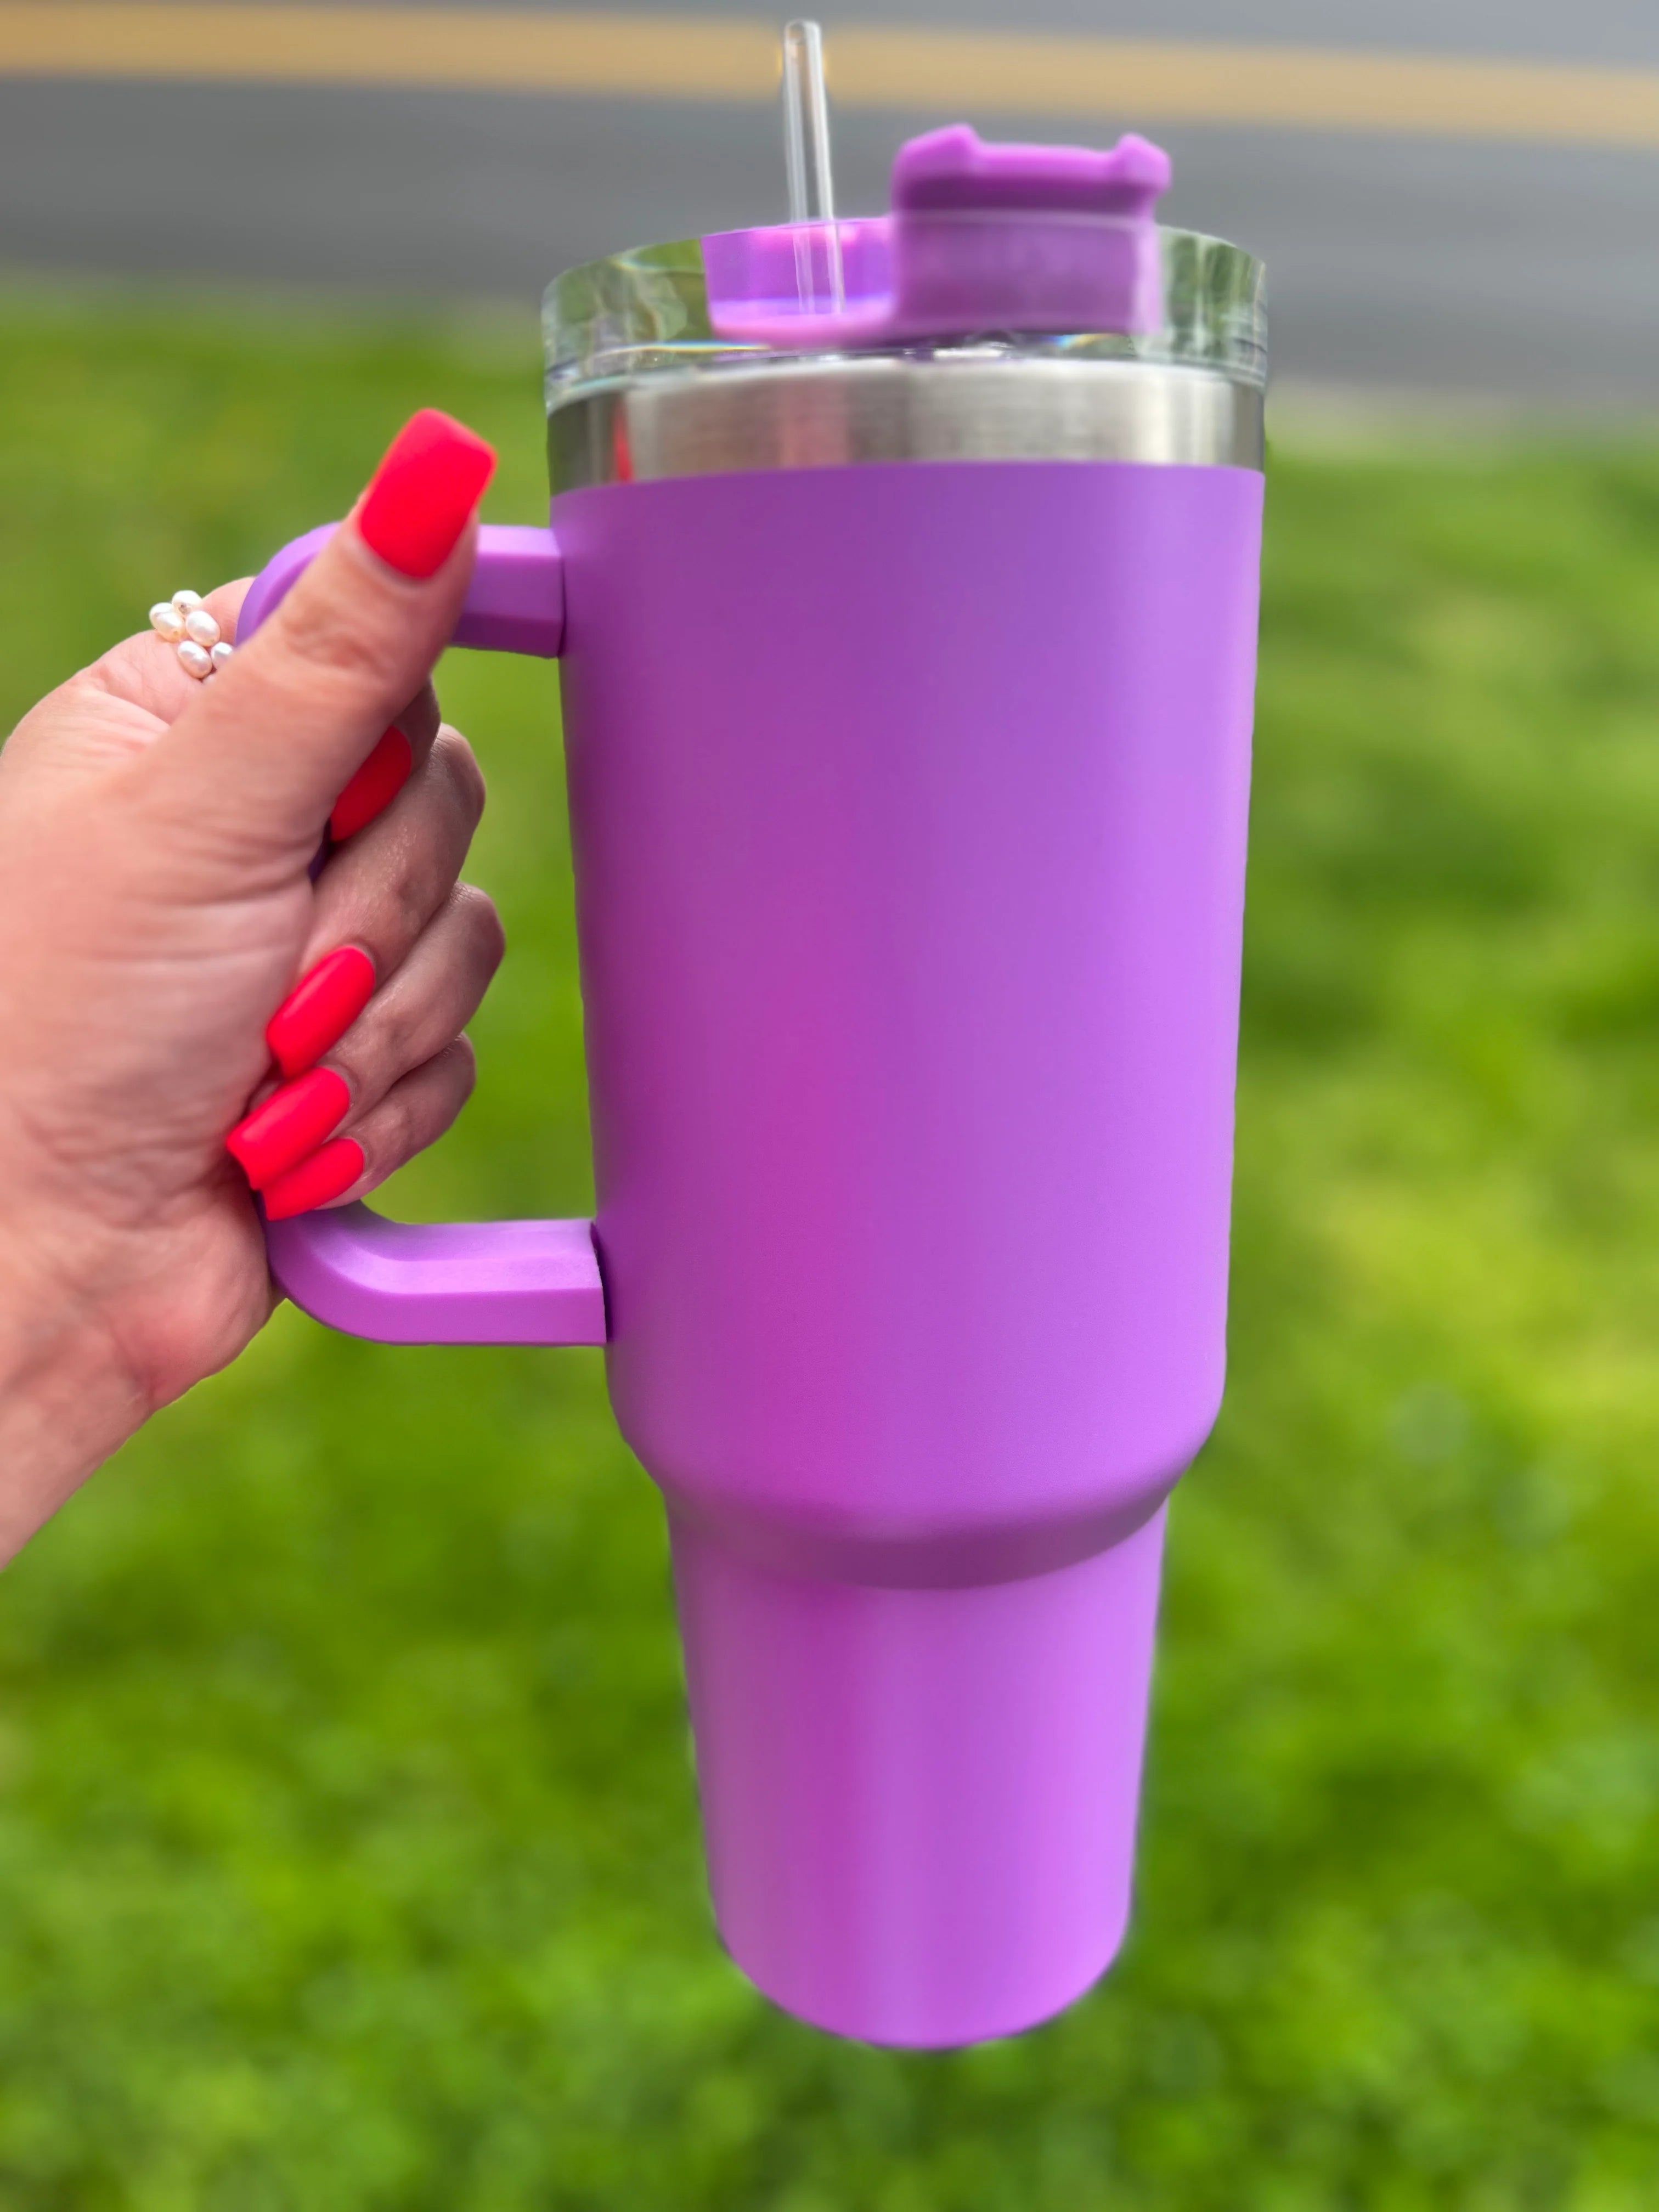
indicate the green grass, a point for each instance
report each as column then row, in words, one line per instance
column 348, row 1851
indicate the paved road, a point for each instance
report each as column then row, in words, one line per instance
column 1519, row 269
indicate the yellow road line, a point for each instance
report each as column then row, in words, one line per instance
column 934, row 72
column 494, row 50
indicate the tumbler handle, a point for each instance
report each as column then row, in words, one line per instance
column 486, row 1282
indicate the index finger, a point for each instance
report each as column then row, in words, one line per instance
column 147, row 670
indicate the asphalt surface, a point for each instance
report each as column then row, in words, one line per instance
column 1395, row 264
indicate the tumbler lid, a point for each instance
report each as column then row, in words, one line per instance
column 645, row 314
column 982, row 237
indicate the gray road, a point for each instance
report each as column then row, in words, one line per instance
column 1527, row 271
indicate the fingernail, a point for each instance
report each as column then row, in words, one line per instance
column 423, row 493
column 319, row 1009
column 329, row 1173
column 374, row 787
column 277, row 1135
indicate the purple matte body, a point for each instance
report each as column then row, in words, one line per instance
column 909, row 814
column 910, row 922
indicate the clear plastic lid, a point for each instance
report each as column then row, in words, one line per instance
column 646, row 311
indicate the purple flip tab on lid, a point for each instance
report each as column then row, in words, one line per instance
column 981, row 238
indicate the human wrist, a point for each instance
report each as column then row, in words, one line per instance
column 66, row 1400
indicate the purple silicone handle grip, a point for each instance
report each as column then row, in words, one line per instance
column 514, row 604
column 486, row 1282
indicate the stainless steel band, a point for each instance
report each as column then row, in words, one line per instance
column 975, row 405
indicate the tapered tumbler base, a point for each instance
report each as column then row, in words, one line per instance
column 920, row 1804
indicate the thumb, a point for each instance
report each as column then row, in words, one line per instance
column 257, row 760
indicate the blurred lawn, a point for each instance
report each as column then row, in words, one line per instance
column 348, row 1851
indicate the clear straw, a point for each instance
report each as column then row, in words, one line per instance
column 806, row 150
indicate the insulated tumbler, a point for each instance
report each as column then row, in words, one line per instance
column 907, row 626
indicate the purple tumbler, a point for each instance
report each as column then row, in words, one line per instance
column 904, row 577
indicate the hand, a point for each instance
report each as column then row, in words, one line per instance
column 157, row 911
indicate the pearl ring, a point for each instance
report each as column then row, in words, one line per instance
column 184, row 622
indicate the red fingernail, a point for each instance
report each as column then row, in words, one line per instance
column 374, row 787
column 423, row 493
column 319, row 1009
column 329, row 1173
column 277, row 1135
